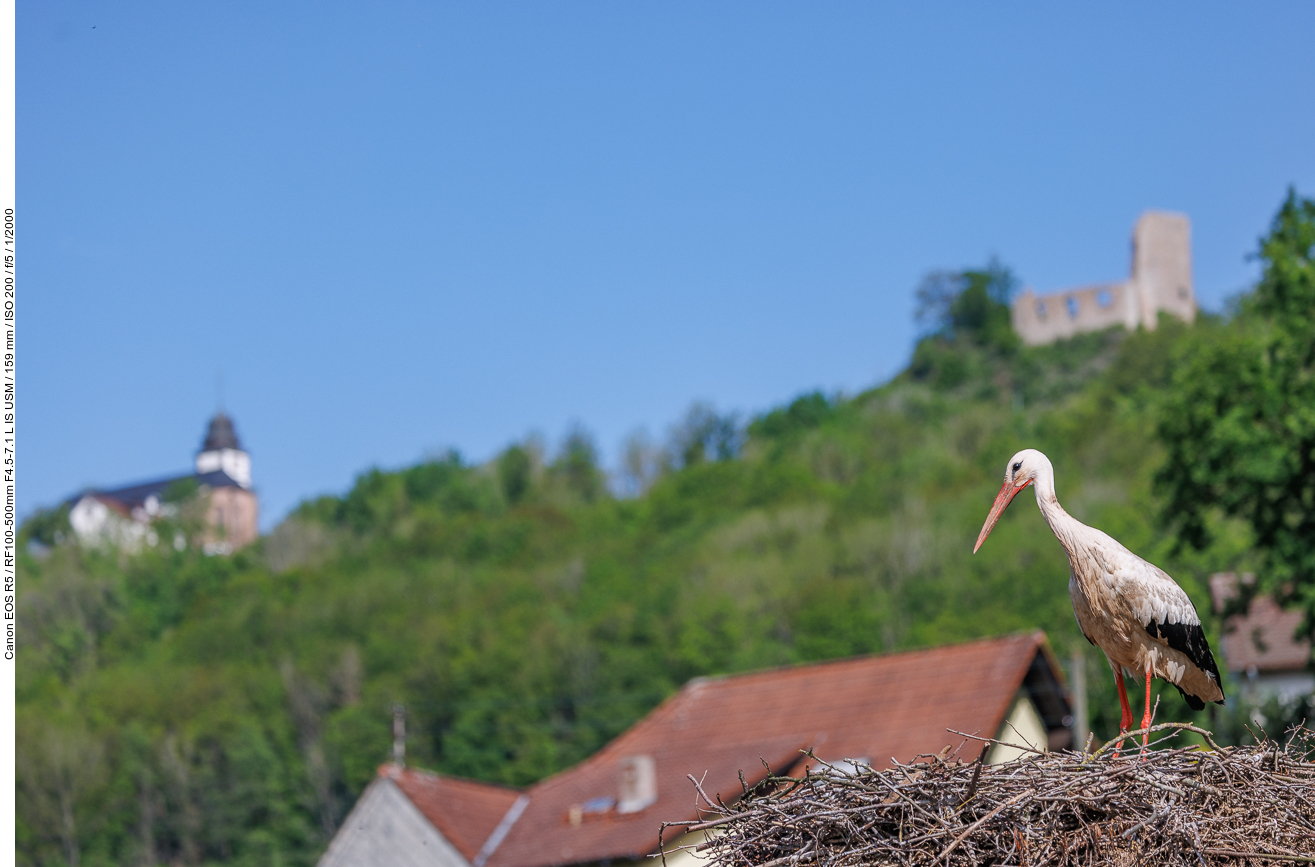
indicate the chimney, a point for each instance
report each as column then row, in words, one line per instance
column 638, row 784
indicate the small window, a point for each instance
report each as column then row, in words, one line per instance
column 1041, row 310
column 1104, row 298
column 1072, row 307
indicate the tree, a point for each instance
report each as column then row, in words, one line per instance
column 642, row 462
column 47, row 527
column 515, row 473
column 577, row 466
column 703, row 435
column 972, row 304
column 1239, row 422
column 966, row 320
column 57, row 769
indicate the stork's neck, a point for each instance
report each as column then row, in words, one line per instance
column 1062, row 524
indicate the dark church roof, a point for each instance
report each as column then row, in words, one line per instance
column 220, row 435
column 136, row 495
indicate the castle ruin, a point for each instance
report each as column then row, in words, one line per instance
column 1161, row 279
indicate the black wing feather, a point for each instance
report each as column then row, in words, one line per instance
column 1192, row 701
column 1188, row 639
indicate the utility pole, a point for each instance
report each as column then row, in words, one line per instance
column 1078, row 688
column 399, row 737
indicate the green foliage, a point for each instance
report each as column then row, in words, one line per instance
column 577, row 467
column 980, row 311
column 1256, row 717
column 1239, row 423
column 968, row 319
column 704, row 435
column 47, row 527
column 182, row 490
column 515, row 473
column 805, row 413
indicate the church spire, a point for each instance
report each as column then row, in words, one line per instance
column 222, row 451
column 220, row 434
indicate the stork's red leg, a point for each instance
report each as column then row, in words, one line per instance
column 1146, row 714
column 1126, row 719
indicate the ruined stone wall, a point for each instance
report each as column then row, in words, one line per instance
column 1044, row 319
column 1161, row 279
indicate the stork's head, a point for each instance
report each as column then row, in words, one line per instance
column 1022, row 470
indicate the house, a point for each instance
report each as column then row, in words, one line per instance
column 126, row 516
column 610, row 806
column 1160, row 279
column 1260, row 652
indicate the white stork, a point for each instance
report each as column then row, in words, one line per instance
column 1130, row 609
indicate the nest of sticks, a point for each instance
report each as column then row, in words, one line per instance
column 1170, row 804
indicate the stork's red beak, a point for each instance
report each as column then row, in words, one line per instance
column 1002, row 499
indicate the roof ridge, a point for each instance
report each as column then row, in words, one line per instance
column 388, row 769
column 868, row 657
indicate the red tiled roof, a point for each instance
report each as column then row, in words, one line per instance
column 1263, row 636
column 875, row 708
column 463, row 811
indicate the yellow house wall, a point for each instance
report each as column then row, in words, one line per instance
column 680, row 852
column 1022, row 728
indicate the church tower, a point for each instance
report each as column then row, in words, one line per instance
column 232, row 511
column 222, row 451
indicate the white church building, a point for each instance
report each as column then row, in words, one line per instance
column 126, row 516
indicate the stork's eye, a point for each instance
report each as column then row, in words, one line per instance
column 1017, row 465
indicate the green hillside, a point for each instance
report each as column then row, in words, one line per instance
column 188, row 709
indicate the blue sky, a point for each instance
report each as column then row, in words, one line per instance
column 402, row 227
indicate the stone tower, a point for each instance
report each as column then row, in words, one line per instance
column 1162, row 266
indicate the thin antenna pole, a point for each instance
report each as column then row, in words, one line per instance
column 1078, row 687
column 399, row 736
column 219, row 390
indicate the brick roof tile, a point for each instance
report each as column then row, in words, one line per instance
column 1262, row 638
